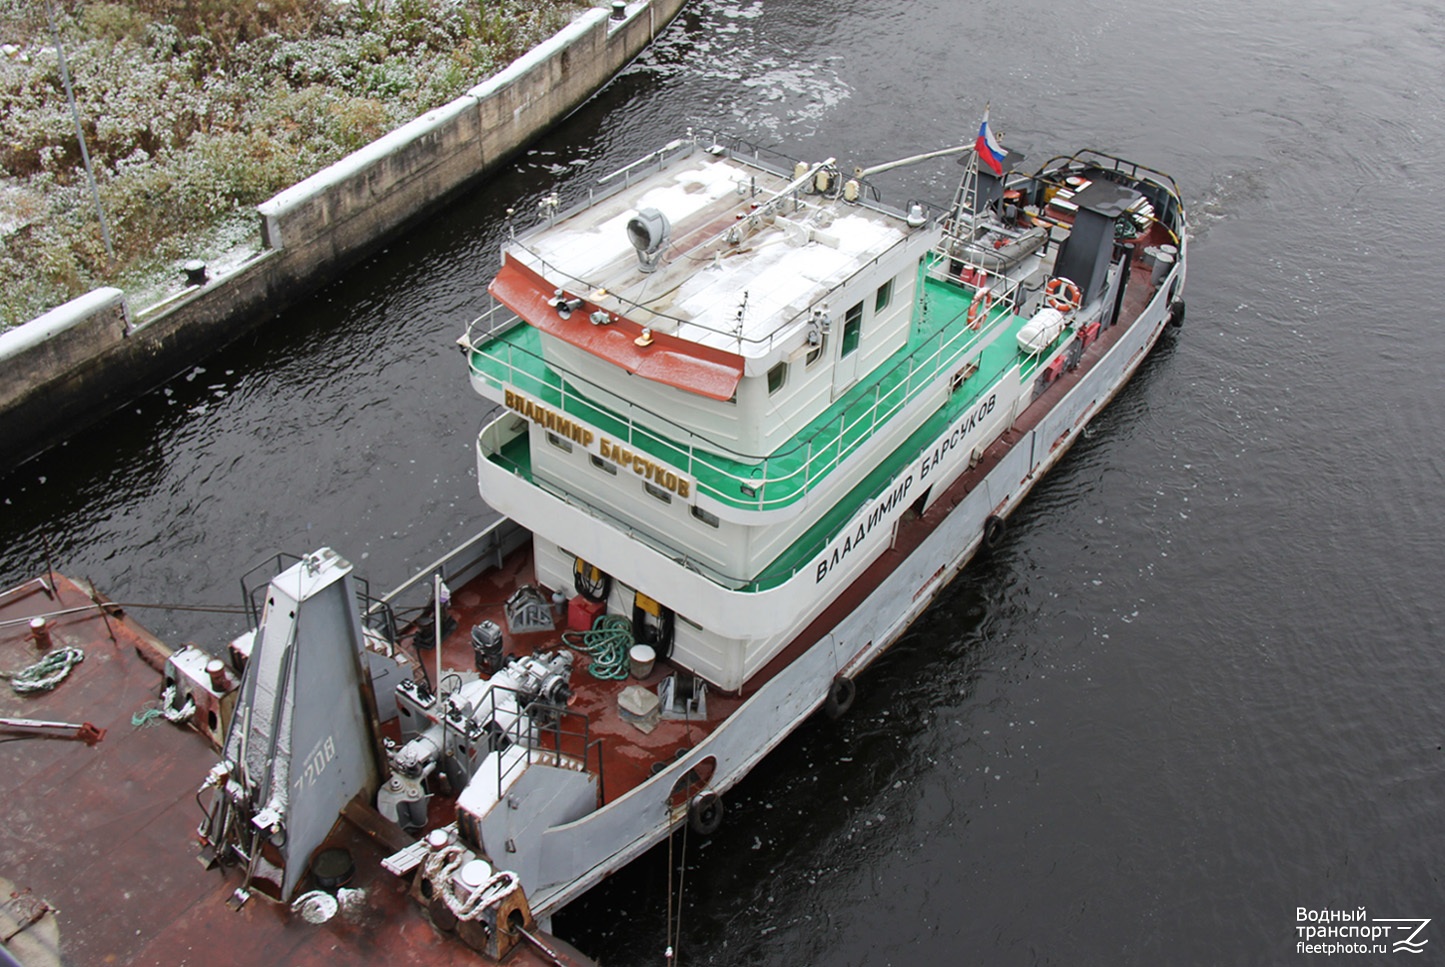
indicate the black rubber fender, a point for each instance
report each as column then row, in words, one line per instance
column 705, row 813
column 993, row 532
column 1176, row 313
column 666, row 632
column 841, row 694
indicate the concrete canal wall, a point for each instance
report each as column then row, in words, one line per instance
column 80, row 361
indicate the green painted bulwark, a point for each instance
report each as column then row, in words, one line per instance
column 59, row 379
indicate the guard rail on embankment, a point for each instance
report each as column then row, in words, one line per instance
column 82, row 360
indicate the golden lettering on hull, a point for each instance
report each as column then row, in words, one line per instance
column 558, row 423
column 549, row 419
column 645, row 468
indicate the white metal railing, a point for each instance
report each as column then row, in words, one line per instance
column 758, row 487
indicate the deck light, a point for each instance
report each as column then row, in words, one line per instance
column 648, row 231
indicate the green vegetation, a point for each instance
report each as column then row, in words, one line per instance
column 194, row 111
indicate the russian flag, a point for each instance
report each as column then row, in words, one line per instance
column 988, row 147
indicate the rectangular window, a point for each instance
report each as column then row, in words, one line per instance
column 883, row 297
column 604, row 465
column 702, row 515
column 852, row 329
column 560, row 443
column 777, row 376
column 657, row 492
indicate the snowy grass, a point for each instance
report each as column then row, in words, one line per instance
column 194, row 111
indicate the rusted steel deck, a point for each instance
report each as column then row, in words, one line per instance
column 628, row 754
column 98, row 850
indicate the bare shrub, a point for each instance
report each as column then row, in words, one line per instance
column 196, row 110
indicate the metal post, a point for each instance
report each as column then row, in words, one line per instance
column 436, row 596
column 94, row 596
column 54, row 591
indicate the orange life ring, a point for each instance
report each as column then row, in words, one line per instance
column 978, row 308
column 1063, row 295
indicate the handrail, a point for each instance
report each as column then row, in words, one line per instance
column 660, row 155
column 528, row 730
column 608, row 186
column 764, row 580
column 925, row 363
column 373, row 611
column 762, row 342
column 665, row 156
column 1086, row 154
column 274, row 565
column 488, row 533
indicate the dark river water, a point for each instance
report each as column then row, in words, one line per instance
column 1200, row 686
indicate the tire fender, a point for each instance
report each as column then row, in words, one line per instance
column 705, row 813
column 841, row 694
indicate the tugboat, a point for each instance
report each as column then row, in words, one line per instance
column 751, row 421
column 759, row 421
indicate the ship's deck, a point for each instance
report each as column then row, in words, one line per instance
column 99, row 841
column 628, row 753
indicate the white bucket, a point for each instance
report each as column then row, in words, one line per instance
column 642, row 658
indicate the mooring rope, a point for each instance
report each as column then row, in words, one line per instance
column 607, row 644
column 147, row 715
column 674, row 926
column 46, row 673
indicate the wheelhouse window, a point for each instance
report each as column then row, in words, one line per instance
column 777, row 376
column 657, row 492
column 560, row 443
column 606, row 466
column 883, row 296
column 852, row 329
column 702, row 515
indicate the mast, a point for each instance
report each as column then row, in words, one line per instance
column 964, row 216
column 959, row 226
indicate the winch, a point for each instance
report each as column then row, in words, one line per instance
column 456, row 732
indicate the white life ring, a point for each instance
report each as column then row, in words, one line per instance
column 978, row 308
column 1063, row 295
